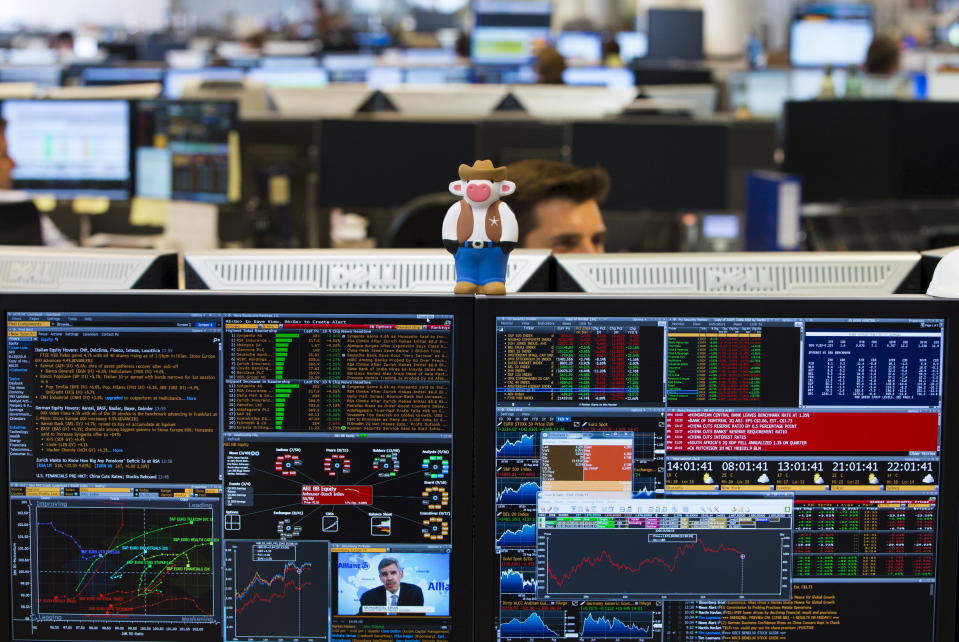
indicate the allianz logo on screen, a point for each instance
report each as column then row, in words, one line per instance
column 749, row 278
column 382, row 276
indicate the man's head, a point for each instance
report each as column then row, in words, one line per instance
column 6, row 163
column 390, row 573
column 882, row 58
column 557, row 206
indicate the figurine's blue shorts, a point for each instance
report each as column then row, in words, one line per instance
column 480, row 266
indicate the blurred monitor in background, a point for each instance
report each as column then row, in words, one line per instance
column 836, row 34
column 586, row 46
column 70, row 148
column 675, row 34
column 632, row 45
column 507, row 31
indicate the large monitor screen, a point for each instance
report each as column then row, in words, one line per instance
column 261, row 474
column 176, row 79
column 70, row 147
column 836, row 34
column 186, row 150
column 715, row 471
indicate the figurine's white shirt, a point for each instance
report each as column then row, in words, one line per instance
column 509, row 225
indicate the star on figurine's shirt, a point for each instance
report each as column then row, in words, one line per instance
column 494, row 222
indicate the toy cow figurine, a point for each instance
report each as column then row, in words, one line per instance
column 480, row 230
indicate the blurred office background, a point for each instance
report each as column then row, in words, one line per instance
column 200, row 124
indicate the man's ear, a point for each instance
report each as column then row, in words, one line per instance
column 506, row 188
column 458, row 187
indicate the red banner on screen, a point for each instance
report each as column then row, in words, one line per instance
column 331, row 495
column 758, row 431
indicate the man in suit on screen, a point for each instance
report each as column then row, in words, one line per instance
column 394, row 591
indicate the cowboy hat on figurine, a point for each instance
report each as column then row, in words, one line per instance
column 480, row 230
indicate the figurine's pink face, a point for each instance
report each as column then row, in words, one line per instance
column 478, row 193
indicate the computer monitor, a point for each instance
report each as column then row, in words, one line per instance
column 289, row 62
column 186, row 150
column 689, row 468
column 348, row 67
column 740, row 273
column 72, row 269
column 291, row 76
column 827, row 33
column 369, row 40
column 817, row 139
column 599, row 76
column 632, row 45
column 386, row 270
column 441, row 75
column 44, row 76
column 675, row 34
column 227, row 467
column 505, row 31
column 70, row 148
column 580, row 45
column 100, row 76
column 177, row 79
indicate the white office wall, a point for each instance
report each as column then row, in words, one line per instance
column 68, row 15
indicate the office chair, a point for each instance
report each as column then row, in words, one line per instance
column 419, row 222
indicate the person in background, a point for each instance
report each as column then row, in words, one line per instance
column 62, row 42
column 882, row 68
column 882, row 58
column 611, row 54
column 51, row 234
column 550, row 66
column 557, row 206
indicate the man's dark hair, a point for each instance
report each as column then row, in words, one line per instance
column 542, row 180
column 550, row 66
column 388, row 561
column 882, row 58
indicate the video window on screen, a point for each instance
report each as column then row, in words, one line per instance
column 412, row 582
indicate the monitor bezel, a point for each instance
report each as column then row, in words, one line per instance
column 461, row 307
column 901, row 306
